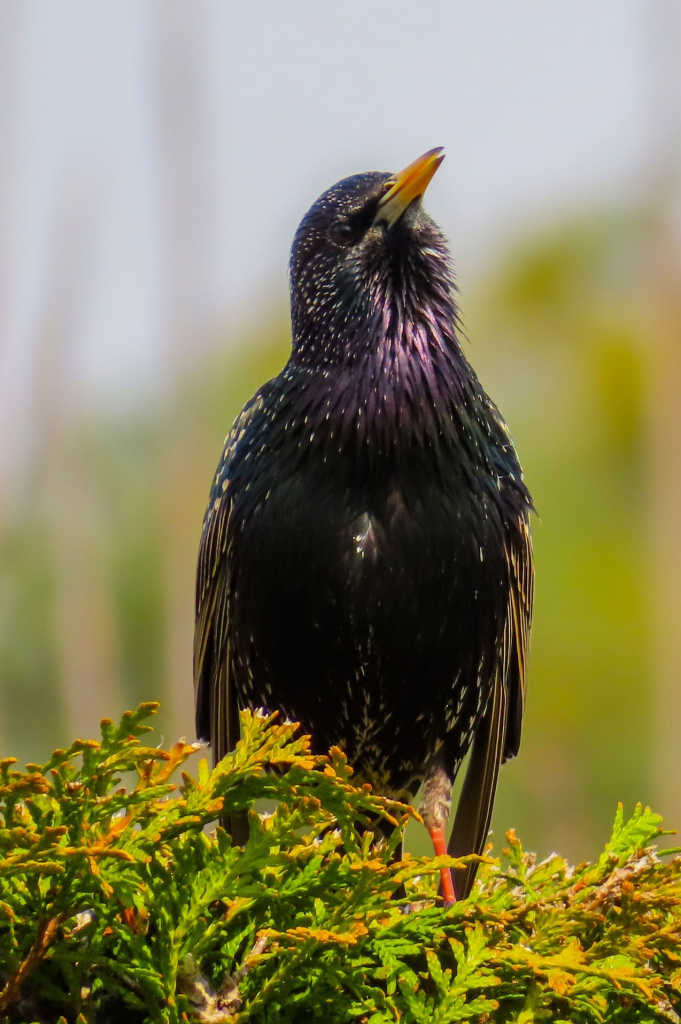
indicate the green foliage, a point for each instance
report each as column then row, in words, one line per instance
column 117, row 905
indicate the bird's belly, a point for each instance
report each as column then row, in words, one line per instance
column 375, row 628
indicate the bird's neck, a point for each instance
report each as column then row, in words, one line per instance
column 399, row 374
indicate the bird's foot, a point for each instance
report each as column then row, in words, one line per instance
column 413, row 908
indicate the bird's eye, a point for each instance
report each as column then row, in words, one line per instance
column 342, row 233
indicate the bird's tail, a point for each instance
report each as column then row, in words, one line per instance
column 224, row 736
column 474, row 810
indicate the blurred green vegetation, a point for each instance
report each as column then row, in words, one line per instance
column 29, row 667
column 559, row 341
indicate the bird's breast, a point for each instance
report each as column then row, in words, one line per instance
column 363, row 592
column 365, row 541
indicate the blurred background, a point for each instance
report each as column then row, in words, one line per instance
column 155, row 159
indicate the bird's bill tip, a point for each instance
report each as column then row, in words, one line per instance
column 406, row 186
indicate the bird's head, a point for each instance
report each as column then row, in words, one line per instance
column 368, row 262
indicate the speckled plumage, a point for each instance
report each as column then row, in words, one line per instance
column 365, row 563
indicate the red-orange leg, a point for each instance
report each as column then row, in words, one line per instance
column 437, row 834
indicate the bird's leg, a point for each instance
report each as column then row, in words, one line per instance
column 437, row 834
column 434, row 809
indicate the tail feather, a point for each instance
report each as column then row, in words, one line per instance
column 474, row 811
column 224, row 723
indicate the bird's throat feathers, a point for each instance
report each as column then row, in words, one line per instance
column 373, row 300
column 380, row 353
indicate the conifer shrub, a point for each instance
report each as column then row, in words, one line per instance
column 123, row 902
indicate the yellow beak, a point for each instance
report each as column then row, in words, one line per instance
column 407, row 186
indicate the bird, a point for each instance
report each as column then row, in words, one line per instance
column 365, row 565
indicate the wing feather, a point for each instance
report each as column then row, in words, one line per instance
column 498, row 737
column 521, row 565
column 217, row 710
column 217, row 714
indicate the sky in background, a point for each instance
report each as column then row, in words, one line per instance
column 539, row 105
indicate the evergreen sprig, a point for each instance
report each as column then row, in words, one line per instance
column 116, row 903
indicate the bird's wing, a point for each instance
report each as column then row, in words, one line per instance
column 521, row 566
column 498, row 736
column 217, row 713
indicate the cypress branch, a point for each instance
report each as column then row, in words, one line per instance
column 117, row 904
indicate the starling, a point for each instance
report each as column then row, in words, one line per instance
column 365, row 564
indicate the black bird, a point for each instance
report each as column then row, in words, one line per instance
column 365, row 563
